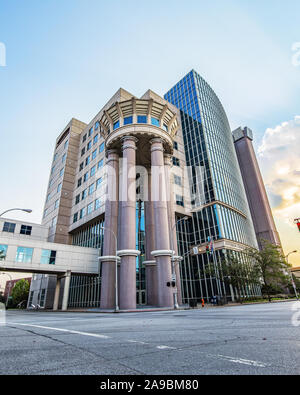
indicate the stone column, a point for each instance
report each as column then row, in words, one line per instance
column 66, row 291
column 162, row 238
column 172, row 225
column 150, row 263
column 108, row 289
column 128, row 252
column 56, row 295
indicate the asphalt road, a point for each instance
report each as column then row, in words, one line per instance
column 253, row 339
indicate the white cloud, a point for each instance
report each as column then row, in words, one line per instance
column 279, row 157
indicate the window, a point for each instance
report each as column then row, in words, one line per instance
column 155, row 122
column 175, row 145
column 59, row 187
column 165, row 127
column 82, row 213
column 55, row 157
column 54, row 221
column 179, row 200
column 97, row 204
column 52, row 170
column 81, row 166
column 63, row 159
column 45, row 212
column 101, row 148
column 98, row 182
column 177, row 180
column 86, row 176
column 77, row 199
column 95, row 140
column 116, row 125
column 87, row 160
column 48, row 197
column 97, row 124
column 61, row 173
column 66, row 144
column 94, row 154
column 50, row 183
column 30, row 297
column 90, row 208
column 91, row 132
column 48, row 257
column 91, row 189
column 3, row 251
column 93, row 171
column 176, row 161
column 141, row 119
column 100, row 164
column 88, row 147
column 128, row 120
column 84, row 138
column 83, row 151
column 56, row 204
column 84, row 194
column 75, row 218
column 42, row 298
column 26, row 230
column 9, row 227
column 79, row 182
column 24, row 254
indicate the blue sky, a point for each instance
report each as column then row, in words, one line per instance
column 66, row 58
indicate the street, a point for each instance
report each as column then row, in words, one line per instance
column 251, row 339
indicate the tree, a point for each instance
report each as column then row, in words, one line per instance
column 20, row 291
column 233, row 271
column 272, row 267
column 2, row 255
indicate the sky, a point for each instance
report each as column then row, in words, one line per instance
column 66, row 58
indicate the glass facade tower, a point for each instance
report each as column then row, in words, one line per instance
column 219, row 203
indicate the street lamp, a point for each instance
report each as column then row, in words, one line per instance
column 26, row 210
column 9, row 287
column 293, row 282
column 116, row 279
column 172, row 257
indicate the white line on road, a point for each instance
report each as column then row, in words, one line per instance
column 64, row 330
column 243, row 361
column 165, row 348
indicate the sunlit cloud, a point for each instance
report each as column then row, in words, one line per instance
column 279, row 157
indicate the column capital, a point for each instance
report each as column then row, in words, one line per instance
column 156, row 140
column 162, row 253
column 129, row 142
column 129, row 253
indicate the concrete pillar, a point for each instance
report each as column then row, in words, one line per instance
column 66, row 291
column 172, row 224
column 162, row 253
column 56, row 295
column 151, row 267
column 128, row 252
column 108, row 289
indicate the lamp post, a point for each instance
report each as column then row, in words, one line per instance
column 116, row 279
column 26, row 210
column 293, row 282
column 9, row 287
column 172, row 257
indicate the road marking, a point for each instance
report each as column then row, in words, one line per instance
column 136, row 341
column 65, row 330
column 165, row 348
column 244, row 361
